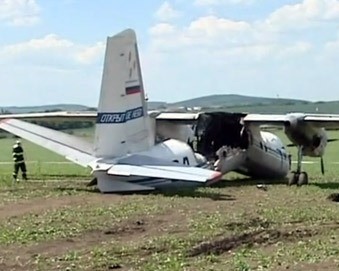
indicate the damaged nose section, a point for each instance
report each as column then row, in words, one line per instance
column 229, row 159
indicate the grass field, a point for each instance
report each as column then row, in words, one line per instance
column 54, row 222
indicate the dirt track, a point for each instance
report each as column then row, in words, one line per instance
column 133, row 229
column 171, row 222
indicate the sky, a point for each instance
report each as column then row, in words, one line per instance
column 52, row 51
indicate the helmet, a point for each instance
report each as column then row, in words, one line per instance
column 18, row 142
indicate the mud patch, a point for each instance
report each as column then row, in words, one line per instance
column 333, row 197
column 131, row 228
column 259, row 237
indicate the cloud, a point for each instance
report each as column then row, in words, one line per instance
column 91, row 54
column 272, row 36
column 166, row 12
column 216, row 36
column 52, row 51
column 205, row 31
column 60, row 70
column 221, row 2
column 19, row 12
column 308, row 13
column 288, row 51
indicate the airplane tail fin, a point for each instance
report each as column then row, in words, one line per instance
column 123, row 125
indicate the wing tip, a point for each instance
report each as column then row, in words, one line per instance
column 216, row 177
column 4, row 120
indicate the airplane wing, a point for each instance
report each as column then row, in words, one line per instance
column 61, row 115
column 317, row 120
column 190, row 174
column 145, row 166
column 322, row 120
column 71, row 147
column 180, row 118
column 263, row 119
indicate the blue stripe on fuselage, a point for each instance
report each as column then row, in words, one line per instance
column 120, row 117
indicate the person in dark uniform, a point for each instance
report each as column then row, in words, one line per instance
column 19, row 161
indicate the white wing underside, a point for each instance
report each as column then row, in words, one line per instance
column 71, row 147
column 146, row 166
column 190, row 174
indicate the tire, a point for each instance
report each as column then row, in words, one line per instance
column 293, row 178
column 302, row 179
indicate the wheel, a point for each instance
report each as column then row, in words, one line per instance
column 302, row 179
column 293, row 178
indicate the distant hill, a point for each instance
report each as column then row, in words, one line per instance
column 45, row 108
column 156, row 105
column 308, row 107
column 228, row 102
column 232, row 100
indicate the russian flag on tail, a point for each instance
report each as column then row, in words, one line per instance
column 132, row 90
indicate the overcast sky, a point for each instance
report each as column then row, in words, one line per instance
column 52, row 51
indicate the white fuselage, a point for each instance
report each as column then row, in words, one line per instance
column 165, row 152
column 266, row 157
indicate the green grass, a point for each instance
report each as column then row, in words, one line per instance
column 288, row 230
column 39, row 163
column 235, row 226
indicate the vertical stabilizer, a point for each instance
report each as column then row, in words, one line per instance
column 123, row 125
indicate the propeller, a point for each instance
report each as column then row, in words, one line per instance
column 322, row 165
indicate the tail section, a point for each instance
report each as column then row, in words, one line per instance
column 123, row 125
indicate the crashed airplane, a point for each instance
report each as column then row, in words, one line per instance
column 135, row 149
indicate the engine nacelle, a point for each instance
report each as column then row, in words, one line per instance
column 317, row 146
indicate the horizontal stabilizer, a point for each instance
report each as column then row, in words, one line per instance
column 71, row 147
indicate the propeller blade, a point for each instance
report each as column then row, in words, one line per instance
column 322, row 165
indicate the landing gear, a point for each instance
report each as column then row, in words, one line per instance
column 298, row 177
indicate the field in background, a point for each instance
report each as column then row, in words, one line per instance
column 41, row 161
column 55, row 222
